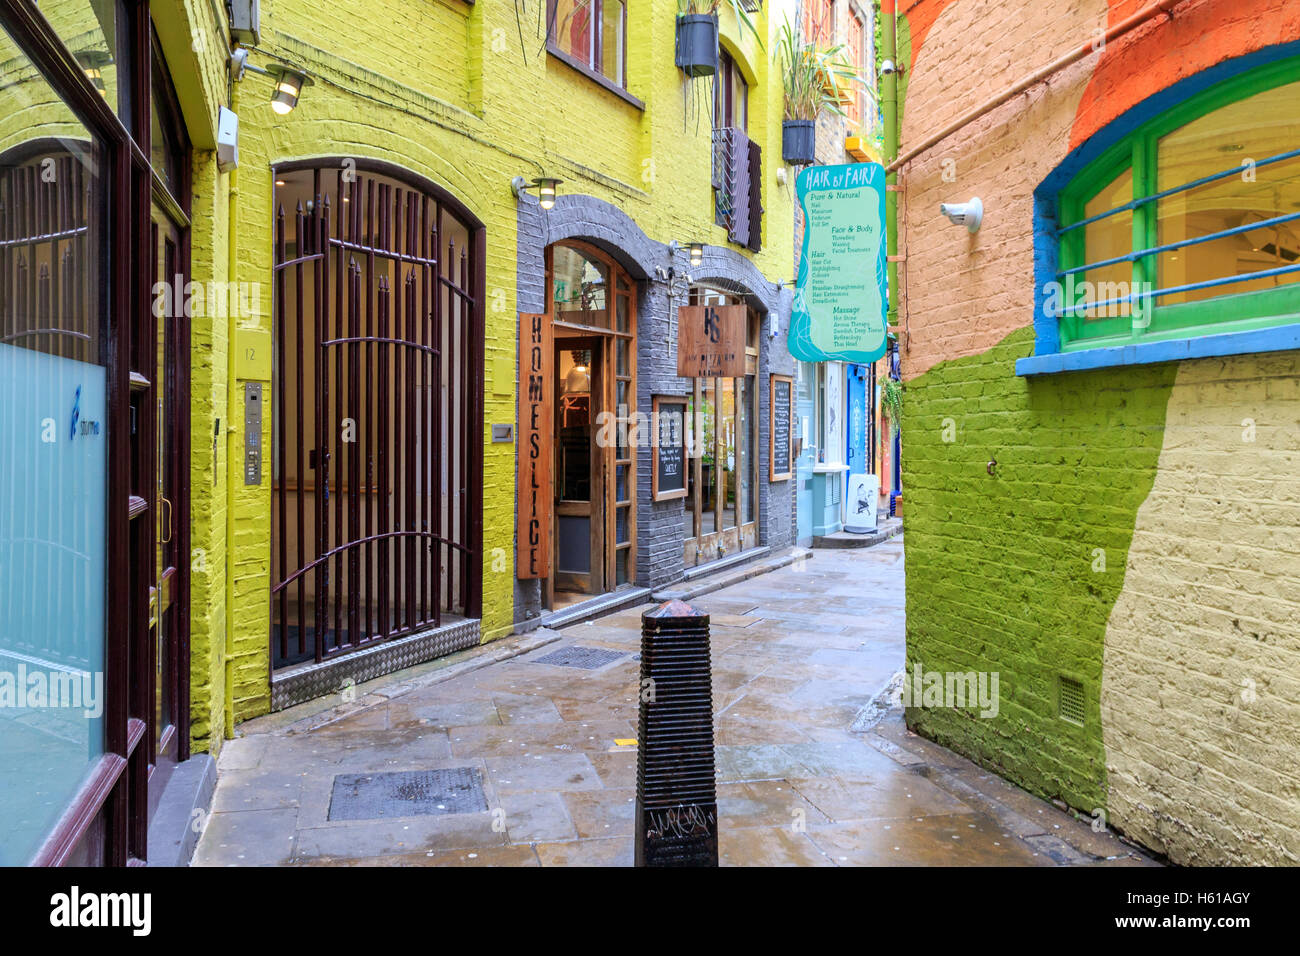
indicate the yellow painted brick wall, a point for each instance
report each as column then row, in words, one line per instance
column 448, row 91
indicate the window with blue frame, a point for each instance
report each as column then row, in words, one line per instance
column 1190, row 225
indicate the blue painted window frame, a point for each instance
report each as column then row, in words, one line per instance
column 1096, row 162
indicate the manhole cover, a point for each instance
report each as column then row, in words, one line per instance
column 412, row 793
column 588, row 658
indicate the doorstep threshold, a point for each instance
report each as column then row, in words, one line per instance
column 598, row 606
column 722, row 564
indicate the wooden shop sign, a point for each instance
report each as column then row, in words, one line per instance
column 534, row 451
column 711, row 341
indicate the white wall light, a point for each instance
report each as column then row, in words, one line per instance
column 968, row 214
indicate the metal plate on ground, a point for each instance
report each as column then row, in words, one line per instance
column 588, row 658
column 412, row 793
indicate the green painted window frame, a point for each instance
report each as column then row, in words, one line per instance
column 1230, row 312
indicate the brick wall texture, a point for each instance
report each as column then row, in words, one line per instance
column 463, row 95
column 1138, row 534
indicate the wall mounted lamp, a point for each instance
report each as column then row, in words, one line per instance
column 546, row 189
column 289, row 79
column 968, row 214
column 696, row 250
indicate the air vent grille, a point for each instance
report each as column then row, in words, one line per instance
column 1070, row 701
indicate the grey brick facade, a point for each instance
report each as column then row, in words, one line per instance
column 660, row 533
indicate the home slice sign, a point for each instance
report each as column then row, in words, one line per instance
column 841, row 295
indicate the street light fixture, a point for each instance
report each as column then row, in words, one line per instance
column 289, row 81
column 545, row 186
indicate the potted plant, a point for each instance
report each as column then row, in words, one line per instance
column 815, row 81
column 697, row 34
column 891, row 400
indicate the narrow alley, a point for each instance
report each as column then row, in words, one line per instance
column 532, row 760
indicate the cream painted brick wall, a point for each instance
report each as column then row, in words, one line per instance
column 1201, row 693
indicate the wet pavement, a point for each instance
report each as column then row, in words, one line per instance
column 798, row 655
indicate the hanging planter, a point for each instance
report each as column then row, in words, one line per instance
column 799, row 142
column 815, row 81
column 697, row 44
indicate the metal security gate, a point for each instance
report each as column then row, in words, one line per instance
column 377, row 395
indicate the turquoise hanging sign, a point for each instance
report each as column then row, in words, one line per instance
column 842, row 293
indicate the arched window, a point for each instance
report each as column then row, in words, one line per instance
column 1189, row 225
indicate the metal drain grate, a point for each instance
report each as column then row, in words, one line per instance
column 1069, row 701
column 413, row 793
column 588, row 658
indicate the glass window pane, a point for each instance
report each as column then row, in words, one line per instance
column 1255, row 128
column 1106, row 239
column 91, row 30
column 578, row 288
column 746, row 435
column 612, row 47
column 573, row 30
column 708, row 454
column 622, row 309
column 54, row 445
column 728, row 450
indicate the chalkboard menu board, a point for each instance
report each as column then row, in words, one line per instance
column 780, row 422
column 668, row 475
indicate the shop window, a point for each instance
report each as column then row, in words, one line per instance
column 1187, row 227
column 591, row 36
column 54, row 443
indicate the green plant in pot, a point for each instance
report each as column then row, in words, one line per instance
column 891, row 400
column 697, row 33
column 815, row 81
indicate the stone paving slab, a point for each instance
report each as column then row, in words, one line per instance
column 798, row 654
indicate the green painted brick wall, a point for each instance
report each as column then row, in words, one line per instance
column 1005, row 573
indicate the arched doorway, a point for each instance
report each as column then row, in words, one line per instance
column 591, row 306
column 378, row 409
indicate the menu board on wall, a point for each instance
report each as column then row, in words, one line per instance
column 780, row 428
column 711, row 341
column 841, row 293
column 669, row 463
column 534, row 450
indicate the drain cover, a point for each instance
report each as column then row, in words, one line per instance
column 588, row 658
column 413, row 793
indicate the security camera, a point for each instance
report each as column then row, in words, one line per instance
column 888, row 68
column 968, row 214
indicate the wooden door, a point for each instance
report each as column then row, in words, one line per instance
column 579, row 563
